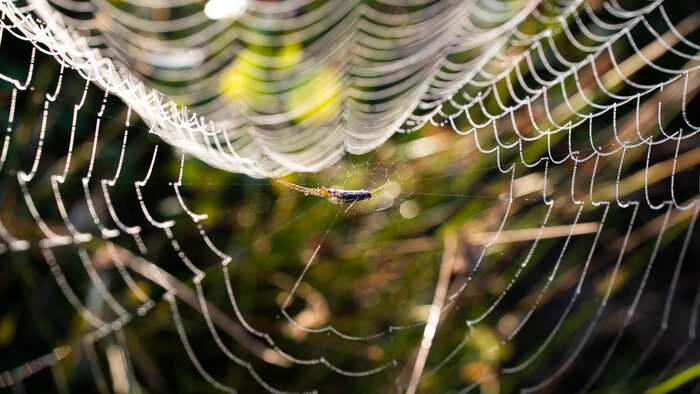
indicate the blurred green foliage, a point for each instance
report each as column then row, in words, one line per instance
column 370, row 272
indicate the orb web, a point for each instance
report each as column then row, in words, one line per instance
column 541, row 181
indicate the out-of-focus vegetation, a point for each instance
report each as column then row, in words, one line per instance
column 370, row 272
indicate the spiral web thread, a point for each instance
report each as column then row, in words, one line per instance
column 598, row 142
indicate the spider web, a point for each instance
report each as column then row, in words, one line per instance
column 574, row 118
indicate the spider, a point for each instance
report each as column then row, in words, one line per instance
column 342, row 196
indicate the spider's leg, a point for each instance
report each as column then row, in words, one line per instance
column 350, row 206
column 290, row 185
column 302, row 189
column 269, row 170
column 268, row 173
column 380, row 187
column 293, row 186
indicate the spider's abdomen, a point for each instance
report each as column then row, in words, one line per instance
column 349, row 196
